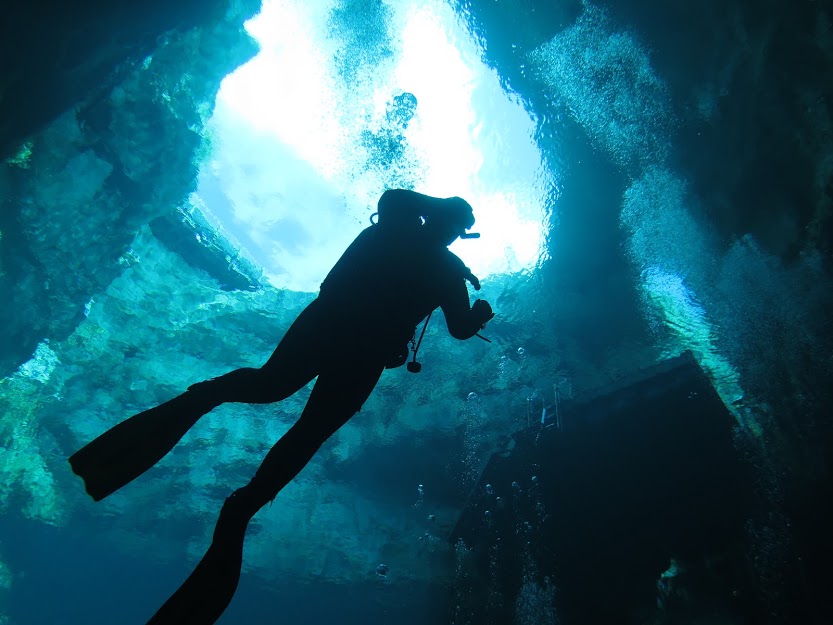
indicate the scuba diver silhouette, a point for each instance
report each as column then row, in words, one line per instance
column 393, row 275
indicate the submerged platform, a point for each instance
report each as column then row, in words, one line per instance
column 616, row 501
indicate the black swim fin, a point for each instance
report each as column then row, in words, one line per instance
column 208, row 591
column 127, row 450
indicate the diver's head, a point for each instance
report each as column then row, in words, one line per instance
column 456, row 217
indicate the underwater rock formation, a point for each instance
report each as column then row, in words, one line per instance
column 692, row 210
column 55, row 55
column 75, row 198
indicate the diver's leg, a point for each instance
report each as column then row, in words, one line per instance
column 127, row 450
column 207, row 592
column 295, row 361
column 335, row 398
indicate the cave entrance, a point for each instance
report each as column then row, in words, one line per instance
column 346, row 99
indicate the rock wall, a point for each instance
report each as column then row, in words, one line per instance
column 123, row 155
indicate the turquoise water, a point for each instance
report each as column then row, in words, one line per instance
column 651, row 178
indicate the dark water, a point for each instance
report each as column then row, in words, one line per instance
column 73, row 576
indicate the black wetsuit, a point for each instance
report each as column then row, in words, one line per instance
column 392, row 276
column 388, row 280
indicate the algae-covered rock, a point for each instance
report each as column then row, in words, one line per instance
column 101, row 171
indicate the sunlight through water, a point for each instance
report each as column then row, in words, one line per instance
column 337, row 107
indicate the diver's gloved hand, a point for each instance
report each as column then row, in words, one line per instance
column 472, row 279
column 482, row 312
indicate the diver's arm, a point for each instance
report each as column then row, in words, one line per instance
column 464, row 321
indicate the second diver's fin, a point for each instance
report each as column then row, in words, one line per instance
column 127, row 450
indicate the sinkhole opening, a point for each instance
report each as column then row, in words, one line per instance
column 346, row 99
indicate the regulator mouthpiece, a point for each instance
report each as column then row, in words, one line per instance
column 470, row 235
